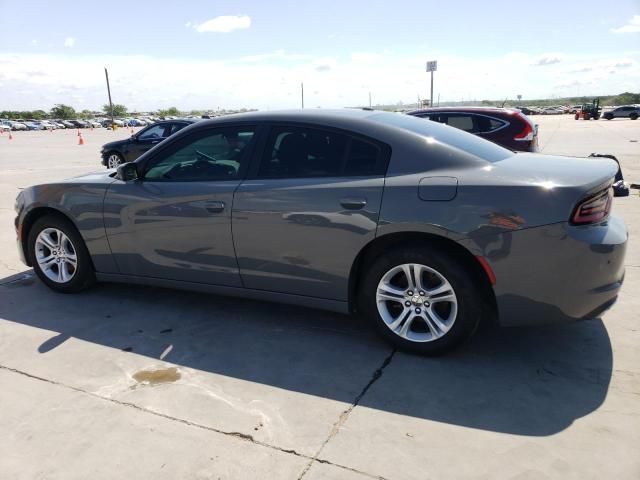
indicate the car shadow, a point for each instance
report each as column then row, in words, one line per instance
column 526, row 381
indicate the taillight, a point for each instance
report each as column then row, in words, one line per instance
column 527, row 132
column 594, row 209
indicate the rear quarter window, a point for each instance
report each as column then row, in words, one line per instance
column 454, row 137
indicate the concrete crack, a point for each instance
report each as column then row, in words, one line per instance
column 238, row 435
column 345, row 415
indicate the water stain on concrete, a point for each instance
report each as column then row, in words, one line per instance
column 155, row 377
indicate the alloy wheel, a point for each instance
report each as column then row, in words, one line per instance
column 113, row 161
column 416, row 302
column 56, row 255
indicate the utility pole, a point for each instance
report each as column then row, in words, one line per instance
column 302, row 93
column 106, row 74
column 369, row 99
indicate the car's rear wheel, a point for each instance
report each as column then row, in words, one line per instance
column 422, row 301
column 633, row 116
column 59, row 256
column 114, row 160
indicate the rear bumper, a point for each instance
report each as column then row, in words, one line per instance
column 558, row 272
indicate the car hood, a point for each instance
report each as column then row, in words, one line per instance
column 99, row 176
column 115, row 144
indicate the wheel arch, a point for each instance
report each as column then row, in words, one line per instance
column 32, row 216
column 428, row 240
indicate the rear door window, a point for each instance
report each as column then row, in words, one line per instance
column 302, row 152
column 461, row 121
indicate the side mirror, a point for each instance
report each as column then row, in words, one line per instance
column 127, row 172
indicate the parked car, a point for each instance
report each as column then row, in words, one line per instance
column 58, row 124
column 425, row 230
column 79, row 123
column 506, row 127
column 628, row 111
column 121, row 151
column 5, row 127
column 47, row 125
column 526, row 110
column 33, row 126
column 17, row 125
column 107, row 122
column 94, row 124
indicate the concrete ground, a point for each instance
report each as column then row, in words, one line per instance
column 135, row 382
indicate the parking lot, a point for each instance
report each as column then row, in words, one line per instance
column 141, row 382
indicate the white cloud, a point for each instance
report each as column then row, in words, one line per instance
column 632, row 26
column 277, row 55
column 69, row 42
column 223, row 24
column 547, row 59
column 364, row 57
column 272, row 79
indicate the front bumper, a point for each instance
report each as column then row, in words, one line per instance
column 19, row 243
column 558, row 272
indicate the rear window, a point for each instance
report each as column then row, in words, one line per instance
column 459, row 139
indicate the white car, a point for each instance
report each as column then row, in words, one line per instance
column 5, row 126
column 17, row 126
column 94, row 123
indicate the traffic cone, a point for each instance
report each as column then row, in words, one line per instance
column 80, row 139
column 10, row 135
column 132, row 130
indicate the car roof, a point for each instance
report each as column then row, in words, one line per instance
column 493, row 110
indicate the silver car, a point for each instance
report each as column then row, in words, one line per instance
column 628, row 111
column 423, row 229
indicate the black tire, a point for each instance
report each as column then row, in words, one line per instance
column 633, row 116
column 84, row 275
column 120, row 160
column 471, row 299
column 608, row 117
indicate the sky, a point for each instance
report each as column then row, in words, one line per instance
column 255, row 54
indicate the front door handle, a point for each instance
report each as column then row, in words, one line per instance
column 214, row 207
column 351, row 203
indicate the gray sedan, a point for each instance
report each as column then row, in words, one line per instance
column 422, row 228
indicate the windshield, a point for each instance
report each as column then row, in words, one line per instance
column 464, row 141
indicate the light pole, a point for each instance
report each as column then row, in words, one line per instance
column 106, row 74
column 302, row 94
column 432, row 66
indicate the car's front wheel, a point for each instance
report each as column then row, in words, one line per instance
column 114, row 160
column 421, row 300
column 633, row 116
column 59, row 256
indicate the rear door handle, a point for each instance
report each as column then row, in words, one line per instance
column 351, row 203
column 214, row 207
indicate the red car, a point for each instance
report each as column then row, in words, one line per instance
column 507, row 127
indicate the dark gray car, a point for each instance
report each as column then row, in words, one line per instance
column 422, row 228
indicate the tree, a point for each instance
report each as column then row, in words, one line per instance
column 85, row 114
column 118, row 110
column 39, row 114
column 63, row 112
column 172, row 111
